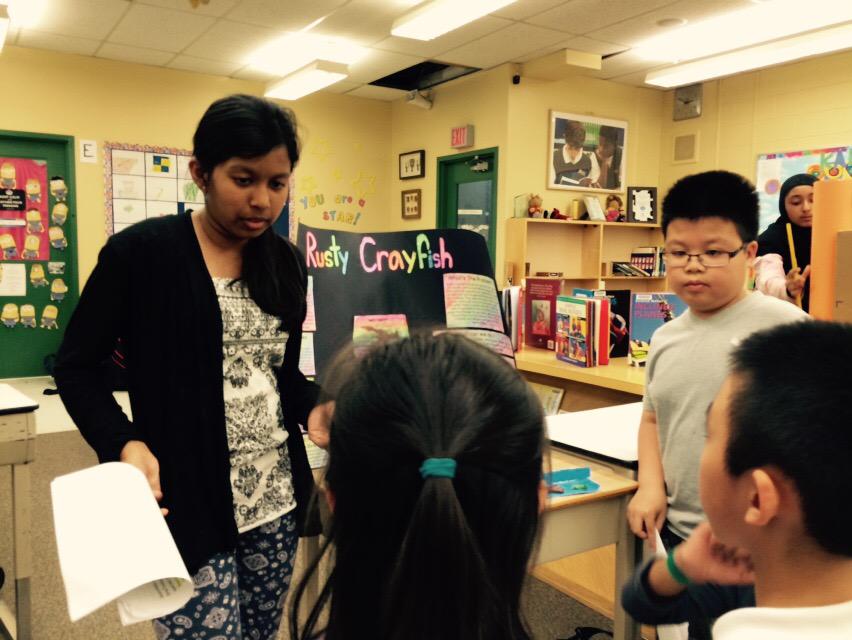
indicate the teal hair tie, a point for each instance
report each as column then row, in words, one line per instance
column 438, row 468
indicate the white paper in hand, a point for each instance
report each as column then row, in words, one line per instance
column 114, row 544
column 669, row 631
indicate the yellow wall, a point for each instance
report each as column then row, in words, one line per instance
column 802, row 105
column 105, row 100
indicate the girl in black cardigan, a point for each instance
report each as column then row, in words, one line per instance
column 209, row 308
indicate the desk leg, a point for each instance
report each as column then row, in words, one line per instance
column 624, row 627
column 23, row 552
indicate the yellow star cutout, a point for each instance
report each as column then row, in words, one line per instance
column 364, row 185
column 320, row 149
column 308, row 185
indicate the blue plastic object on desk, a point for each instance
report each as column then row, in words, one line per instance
column 572, row 481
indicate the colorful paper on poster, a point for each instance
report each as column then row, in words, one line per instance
column 369, row 331
column 53, row 268
column 49, row 317
column 307, row 363
column 127, row 162
column 495, row 341
column 37, row 278
column 310, row 323
column 13, row 279
column 10, row 315
column 23, row 209
column 471, row 301
column 160, row 164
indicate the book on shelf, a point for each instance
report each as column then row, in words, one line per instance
column 593, row 208
column 540, row 312
column 628, row 269
column 550, row 397
column 512, row 313
column 649, row 312
column 603, row 329
column 548, row 274
column 582, row 330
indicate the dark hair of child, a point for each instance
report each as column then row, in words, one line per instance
column 792, row 412
column 243, row 126
column 419, row 557
column 714, row 194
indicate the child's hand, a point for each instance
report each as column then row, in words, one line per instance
column 319, row 423
column 646, row 513
column 702, row 558
column 796, row 281
column 138, row 454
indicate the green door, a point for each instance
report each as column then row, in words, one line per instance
column 38, row 249
column 467, row 194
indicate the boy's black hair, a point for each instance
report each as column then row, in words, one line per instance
column 714, row 194
column 792, row 412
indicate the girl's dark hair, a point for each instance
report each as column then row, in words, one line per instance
column 243, row 126
column 429, row 558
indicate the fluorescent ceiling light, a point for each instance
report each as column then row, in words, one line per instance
column 441, row 16
column 26, row 13
column 295, row 50
column 317, row 75
column 4, row 25
column 758, row 23
column 810, row 44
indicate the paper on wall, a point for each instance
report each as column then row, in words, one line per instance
column 114, row 544
column 13, row 279
column 470, row 301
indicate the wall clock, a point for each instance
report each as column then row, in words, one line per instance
column 687, row 102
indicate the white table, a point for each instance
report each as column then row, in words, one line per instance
column 17, row 448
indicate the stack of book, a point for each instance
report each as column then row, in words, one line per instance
column 649, row 260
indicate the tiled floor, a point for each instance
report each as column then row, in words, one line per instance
column 51, row 416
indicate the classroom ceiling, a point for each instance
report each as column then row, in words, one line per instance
column 217, row 36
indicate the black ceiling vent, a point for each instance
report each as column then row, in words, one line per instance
column 423, row 76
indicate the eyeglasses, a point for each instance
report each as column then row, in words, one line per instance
column 711, row 258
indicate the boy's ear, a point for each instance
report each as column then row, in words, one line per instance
column 765, row 499
column 751, row 251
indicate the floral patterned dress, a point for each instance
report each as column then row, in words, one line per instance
column 253, row 347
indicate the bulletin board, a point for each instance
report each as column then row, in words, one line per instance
column 38, row 249
column 142, row 182
column 774, row 168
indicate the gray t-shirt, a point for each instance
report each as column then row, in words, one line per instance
column 687, row 363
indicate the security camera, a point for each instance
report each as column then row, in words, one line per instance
column 516, row 79
column 417, row 99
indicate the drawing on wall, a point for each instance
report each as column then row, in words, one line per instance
column 774, row 168
column 146, row 182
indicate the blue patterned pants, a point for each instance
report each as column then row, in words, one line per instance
column 239, row 595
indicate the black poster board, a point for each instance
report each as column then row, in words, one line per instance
column 370, row 274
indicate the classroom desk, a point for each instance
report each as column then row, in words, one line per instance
column 577, row 524
column 17, row 448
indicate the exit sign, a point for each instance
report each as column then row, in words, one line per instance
column 461, row 137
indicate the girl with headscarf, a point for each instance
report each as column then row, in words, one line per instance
column 774, row 272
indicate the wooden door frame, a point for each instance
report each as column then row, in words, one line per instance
column 444, row 163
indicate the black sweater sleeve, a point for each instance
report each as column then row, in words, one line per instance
column 90, row 338
column 697, row 601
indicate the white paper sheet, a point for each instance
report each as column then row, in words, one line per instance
column 13, row 279
column 114, row 544
column 611, row 431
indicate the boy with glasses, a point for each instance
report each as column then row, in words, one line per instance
column 710, row 225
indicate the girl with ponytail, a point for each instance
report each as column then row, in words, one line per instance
column 434, row 482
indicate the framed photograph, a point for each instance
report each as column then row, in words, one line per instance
column 412, row 164
column 411, row 204
column 586, row 153
column 642, row 205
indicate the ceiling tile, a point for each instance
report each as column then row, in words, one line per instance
column 633, row 30
column 378, row 64
column 526, row 9
column 284, row 15
column 453, row 39
column 134, row 54
column 249, row 73
column 503, row 46
column 377, row 93
column 216, row 8
column 583, row 16
column 162, row 29
column 200, row 65
column 623, row 64
column 83, row 18
column 230, row 42
column 362, row 21
column 56, row 42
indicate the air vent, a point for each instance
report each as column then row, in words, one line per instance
column 423, row 76
column 686, row 148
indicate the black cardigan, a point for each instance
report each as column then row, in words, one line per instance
column 152, row 289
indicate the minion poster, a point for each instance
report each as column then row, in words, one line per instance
column 774, row 168
column 24, row 200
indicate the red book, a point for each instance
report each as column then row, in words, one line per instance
column 540, row 312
